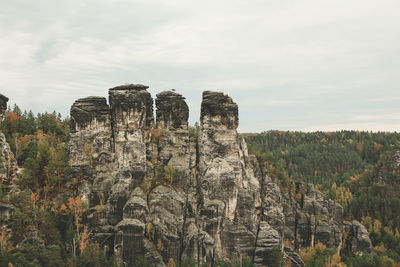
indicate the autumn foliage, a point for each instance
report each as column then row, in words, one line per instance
column 76, row 207
column 47, row 226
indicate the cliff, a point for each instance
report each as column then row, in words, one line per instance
column 8, row 164
column 8, row 167
column 155, row 191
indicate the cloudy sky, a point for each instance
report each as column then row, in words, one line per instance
column 289, row 64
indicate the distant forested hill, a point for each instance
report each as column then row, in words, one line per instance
column 324, row 157
column 360, row 170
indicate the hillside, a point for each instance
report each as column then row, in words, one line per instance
column 359, row 170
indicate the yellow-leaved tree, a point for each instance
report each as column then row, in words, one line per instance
column 77, row 207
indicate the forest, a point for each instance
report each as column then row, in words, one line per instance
column 48, row 222
column 356, row 169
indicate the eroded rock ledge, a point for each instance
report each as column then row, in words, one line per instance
column 156, row 192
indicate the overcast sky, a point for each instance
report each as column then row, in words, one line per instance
column 290, row 65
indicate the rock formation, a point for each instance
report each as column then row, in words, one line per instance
column 132, row 119
column 3, row 105
column 171, row 135
column 90, row 145
column 396, row 160
column 229, row 196
column 357, row 241
column 311, row 219
column 8, row 164
column 8, row 167
column 157, row 192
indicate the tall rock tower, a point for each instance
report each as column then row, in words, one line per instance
column 132, row 121
column 90, row 143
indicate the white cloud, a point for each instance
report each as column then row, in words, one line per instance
column 380, row 127
column 374, row 117
column 288, row 64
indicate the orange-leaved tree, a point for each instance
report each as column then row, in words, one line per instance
column 77, row 207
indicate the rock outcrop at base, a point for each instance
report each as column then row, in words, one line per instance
column 396, row 160
column 357, row 239
column 310, row 219
column 159, row 192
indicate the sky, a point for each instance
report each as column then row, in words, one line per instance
column 290, row 65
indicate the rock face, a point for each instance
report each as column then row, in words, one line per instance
column 396, row 160
column 90, row 145
column 8, row 164
column 220, row 165
column 310, row 219
column 171, row 136
column 8, row 168
column 132, row 119
column 229, row 194
column 161, row 193
column 357, row 241
column 3, row 106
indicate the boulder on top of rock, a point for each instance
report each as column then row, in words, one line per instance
column 172, row 110
column 219, row 108
column 87, row 110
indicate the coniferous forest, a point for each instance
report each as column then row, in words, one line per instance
column 357, row 169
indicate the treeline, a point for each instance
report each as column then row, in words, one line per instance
column 324, row 157
column 18, row 124
column 355, row 169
